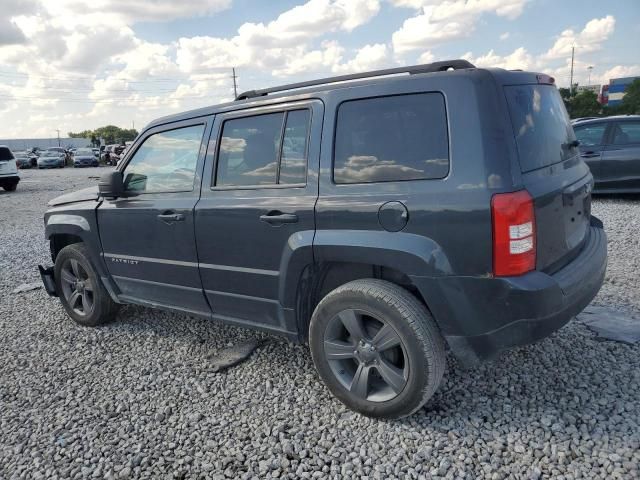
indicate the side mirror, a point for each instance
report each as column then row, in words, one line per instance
column 111, row 185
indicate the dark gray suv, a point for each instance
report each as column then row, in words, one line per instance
column 379, row 217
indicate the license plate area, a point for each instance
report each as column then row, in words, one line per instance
column 576, row 201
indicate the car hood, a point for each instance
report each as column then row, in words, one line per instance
column 83, row 195
column 51, row 158
column 84, row 157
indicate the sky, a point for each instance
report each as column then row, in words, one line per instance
column 72, row 65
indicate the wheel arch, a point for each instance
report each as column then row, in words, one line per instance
column 342, row 256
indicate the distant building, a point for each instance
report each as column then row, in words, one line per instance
column 43, row 143
column 613, row 93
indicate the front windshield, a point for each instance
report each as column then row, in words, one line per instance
column 84, row 151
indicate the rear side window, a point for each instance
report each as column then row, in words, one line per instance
column 267, row 149
column 5, row 154
column 541, row 125
column 591, row 134
column 386, row 139
column 625, row 133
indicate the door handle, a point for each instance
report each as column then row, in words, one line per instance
column 170, row 217
column 589, row 154
column 276, row 218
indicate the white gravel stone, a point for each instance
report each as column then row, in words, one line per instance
column 137, row 399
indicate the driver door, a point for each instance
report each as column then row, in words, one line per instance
column 148, row 235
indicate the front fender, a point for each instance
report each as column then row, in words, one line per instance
column 81, row 222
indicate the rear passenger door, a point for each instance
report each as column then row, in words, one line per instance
column 256, row 208
column 592, row 143
column 620, row 165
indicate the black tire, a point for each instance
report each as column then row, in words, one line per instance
column 10, row 187
column 88, row 307
column 419, row 355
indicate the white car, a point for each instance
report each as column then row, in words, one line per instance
column 9, row 177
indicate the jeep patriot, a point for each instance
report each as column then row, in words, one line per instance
column 381, row 217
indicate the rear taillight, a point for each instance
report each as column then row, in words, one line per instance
column 514, row 233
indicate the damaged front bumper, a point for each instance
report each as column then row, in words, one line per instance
column 48, row 279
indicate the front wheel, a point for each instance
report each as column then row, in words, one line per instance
column 80, row 290
column 10, row 187
column 377, row 348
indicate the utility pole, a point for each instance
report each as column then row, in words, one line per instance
column 573, row 48
column 235, row 85
column 58, row 136
column 590, row 67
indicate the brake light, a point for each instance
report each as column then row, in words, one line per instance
column 545, row 79
column 514, row 233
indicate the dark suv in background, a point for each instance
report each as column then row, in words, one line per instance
column 611, row 148
column 377, row 216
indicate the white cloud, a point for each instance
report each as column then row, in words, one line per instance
column 590, row 39
column 132, row 11
column 620, row 71
column 518, row 59
column 426, row 57
column 505, row 36
column 282, row 45
column 369, row 57
column 440, row 21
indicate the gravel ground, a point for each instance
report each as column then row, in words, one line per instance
column 138, row 399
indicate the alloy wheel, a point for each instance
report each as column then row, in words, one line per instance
column 77, row 287
column 366, row 355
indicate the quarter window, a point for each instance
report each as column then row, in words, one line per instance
column 266, row 149
column 165, row 162
column 590, row 135
column 393, row 138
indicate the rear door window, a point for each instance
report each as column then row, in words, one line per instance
column 540, row 124
column 266, row 149
column 626, row 133
column 591, row 134
column 386, row 139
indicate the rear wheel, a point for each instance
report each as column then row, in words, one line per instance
column 81, row 292
column 377, row 348
column 10, row 187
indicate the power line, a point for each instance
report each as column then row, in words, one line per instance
column 235, row 85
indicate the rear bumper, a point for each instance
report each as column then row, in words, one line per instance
column 480, row 317
column 9, row 179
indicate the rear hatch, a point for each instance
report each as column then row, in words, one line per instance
column 553, row 172
column 7, row 162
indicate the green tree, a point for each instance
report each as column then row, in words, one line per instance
column 109, row 133
column 631, row 100
column 585, row 104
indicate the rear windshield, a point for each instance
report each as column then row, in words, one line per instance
column 5, row 154
column 540, row 124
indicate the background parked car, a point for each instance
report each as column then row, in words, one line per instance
column 84, row 157
column 611, row 148
column 25, row 159
column 66, row 153
column 52, row 158
column 9, row 177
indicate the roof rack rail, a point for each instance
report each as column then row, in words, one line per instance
column 412, row 70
